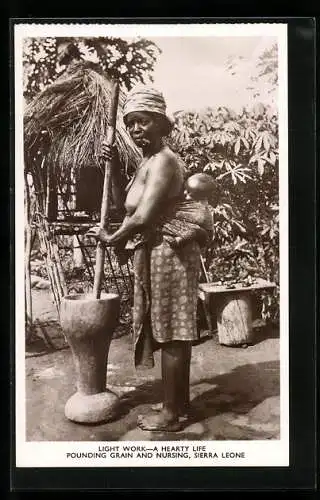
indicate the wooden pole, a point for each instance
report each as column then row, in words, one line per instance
column 104, row 218
column 204, row 269
column 28, row 257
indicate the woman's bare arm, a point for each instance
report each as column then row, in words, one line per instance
column 157, row 185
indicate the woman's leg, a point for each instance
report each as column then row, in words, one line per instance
column 173, row 373
column 184, row 377
column 175, row 365
column 184, row 406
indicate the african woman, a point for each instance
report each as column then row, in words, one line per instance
column 166, row 278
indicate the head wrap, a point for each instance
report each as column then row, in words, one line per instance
column 146, row 99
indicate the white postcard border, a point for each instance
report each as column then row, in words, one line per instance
column 61, row 454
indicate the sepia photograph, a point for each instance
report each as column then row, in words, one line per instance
column 151, row 209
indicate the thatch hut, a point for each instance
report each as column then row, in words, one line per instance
column 64, row 127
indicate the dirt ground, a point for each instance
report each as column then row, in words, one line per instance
column 234, row 391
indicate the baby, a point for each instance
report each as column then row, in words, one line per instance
column 199, row 187
column 192, row 218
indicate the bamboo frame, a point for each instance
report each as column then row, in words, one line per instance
column 28, row 295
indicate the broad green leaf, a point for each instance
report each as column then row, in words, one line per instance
column 272, row 158
column 258, row 143
column 253, row 158
column 237, row 146
column 245, row 142
column 261, row 164
column 266, row 142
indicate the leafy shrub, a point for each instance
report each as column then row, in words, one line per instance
column 240, row 151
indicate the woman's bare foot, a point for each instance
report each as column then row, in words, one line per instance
column 159, row 421
column 183, row 414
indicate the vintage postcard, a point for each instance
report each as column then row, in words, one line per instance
column 151, row 230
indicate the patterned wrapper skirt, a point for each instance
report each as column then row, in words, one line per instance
column 165, row 297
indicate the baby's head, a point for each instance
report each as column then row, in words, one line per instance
column 199, row 187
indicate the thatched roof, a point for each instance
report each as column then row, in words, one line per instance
column 66, row 123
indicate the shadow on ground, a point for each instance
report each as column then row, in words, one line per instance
column 237, row 392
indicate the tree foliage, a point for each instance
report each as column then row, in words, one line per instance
column 260, row 73
column 47, row 58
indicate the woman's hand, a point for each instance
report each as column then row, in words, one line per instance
column 99, row 233
column 108, row 152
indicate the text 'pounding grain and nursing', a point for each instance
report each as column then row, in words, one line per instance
column 145, row 452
